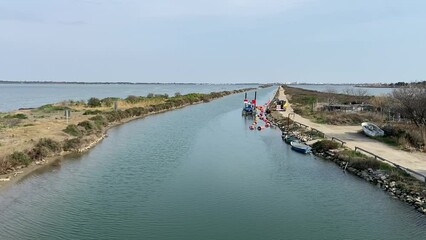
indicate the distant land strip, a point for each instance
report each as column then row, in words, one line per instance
column 120, row 83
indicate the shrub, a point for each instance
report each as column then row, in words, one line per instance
column 150, row 95
column 50, row 144
column 205, row 99
column 18, row 116
column 133, row 99
column 73, row 130
column 109, row 101
column 19, row 158
column 87, row 125
column 72, row 144
column 92, row 112
column 51, row 108
column 99, row 121
column 325, row 145
column 5, row 164
column 44, row 148
column 360, row 161
column 94, row 102
column 38, row 153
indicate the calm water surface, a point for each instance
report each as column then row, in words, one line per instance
column 199, row 173
column 14, row 96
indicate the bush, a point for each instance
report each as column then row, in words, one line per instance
column 87, row 125
column 92, row 112
column 19, row 158
column 17, row 116
column 109, row 101
column 360, row 161
column 325, row 145
column 73, row 130
column 99, row 121
column 133, row 99
column 51, row 108
column 50, row 144
column 38, row 153
column 94, row 102
column 72, row 144
column 44, row 148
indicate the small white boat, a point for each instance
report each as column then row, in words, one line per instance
column 372, row 130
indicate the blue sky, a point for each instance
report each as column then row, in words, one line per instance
column 220, row 41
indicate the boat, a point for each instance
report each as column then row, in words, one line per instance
column 290, row 138
column 300, row 147
column 372, row 130
column 249, row 108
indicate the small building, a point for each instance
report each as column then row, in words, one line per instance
column 348, row 107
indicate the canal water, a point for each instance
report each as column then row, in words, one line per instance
column 199, row 173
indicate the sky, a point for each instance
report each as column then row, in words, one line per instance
column 217, row 41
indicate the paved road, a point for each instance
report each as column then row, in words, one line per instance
column 351, row 135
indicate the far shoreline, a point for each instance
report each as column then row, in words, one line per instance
column 120, row 83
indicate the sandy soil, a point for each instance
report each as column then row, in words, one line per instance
column 352, row 136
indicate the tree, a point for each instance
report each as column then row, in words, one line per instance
column 382, row 102
column 411, row 103
column 331, row 95
column 355, row 92
column 312, row 100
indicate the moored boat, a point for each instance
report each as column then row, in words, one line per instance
column 290, row 138
column 372, row 130
column 300, row 147
column 249, row 108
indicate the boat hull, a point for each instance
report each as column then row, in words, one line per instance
column 301, row 148
column 372, row 130
column 289, row 139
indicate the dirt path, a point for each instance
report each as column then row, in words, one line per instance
column 350, row 134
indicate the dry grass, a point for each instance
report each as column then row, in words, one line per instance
column 303, row 101
column 50, row 124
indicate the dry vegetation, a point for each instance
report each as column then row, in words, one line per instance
column 307, row 103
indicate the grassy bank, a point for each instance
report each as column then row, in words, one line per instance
column 31, row 136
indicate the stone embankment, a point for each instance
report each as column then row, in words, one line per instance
column 382, row 180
